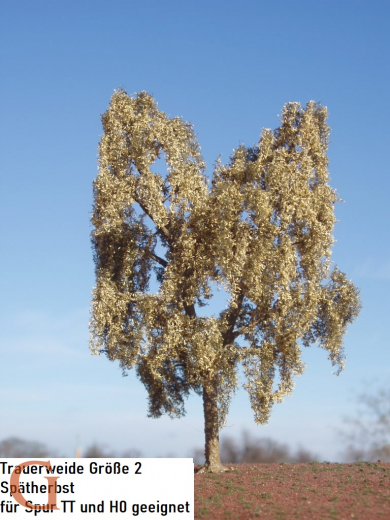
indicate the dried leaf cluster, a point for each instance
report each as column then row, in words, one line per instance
column 261, row 229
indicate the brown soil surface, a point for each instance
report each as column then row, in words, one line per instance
column 316, row 491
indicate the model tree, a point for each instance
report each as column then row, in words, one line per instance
column 262, row 230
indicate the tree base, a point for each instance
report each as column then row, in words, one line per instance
column 214, row 468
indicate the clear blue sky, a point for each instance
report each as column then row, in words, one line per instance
column 228, row 67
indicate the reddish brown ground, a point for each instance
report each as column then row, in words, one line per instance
column 316, row 491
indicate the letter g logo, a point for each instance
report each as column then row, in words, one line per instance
column 14, row 481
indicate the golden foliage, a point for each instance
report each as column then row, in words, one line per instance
column 262, row 230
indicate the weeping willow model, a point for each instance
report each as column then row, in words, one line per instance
column 262, row 230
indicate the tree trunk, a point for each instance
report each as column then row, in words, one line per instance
column 211, row 429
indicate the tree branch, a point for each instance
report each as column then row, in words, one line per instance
column 158, row 259
column 190, row 310
column 163, row 229
column 229, row 336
